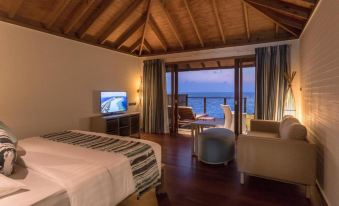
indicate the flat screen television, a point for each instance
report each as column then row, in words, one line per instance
column 113, row 102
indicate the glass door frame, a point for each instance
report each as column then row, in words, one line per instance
column 239, row 63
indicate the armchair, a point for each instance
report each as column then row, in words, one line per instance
column 278, row 151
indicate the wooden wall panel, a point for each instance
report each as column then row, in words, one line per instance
column 319, row 49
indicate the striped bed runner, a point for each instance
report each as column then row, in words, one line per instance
column 140, row 155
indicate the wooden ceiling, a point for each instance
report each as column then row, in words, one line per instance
column 151, row 27
column 212, row 64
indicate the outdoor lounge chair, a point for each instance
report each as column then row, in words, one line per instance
column 187, row 116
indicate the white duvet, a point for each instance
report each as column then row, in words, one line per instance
column 90, row 177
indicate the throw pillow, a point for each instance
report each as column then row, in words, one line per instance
column 10, row 134
column 7, row 153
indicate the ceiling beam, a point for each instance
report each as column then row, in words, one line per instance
column 135, row 45
column 194, row 23
column 147, row 46
column 314, row 2
column 218, row 62
column 15, row 6
column 282, row 22
column 130, row 31
column 217, row 17
column 116, row 22
column 79, row 13
column 295, row 23
column 157, row 32
column 285, row 8
column 248, row 32
column 172, row 25
column 104, row 4
column 60, row 8
column 145, row 26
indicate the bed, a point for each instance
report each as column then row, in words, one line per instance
column 64, row 173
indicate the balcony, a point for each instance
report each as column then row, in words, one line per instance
column 210, row 105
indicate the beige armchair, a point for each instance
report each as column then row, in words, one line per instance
column 278, row 151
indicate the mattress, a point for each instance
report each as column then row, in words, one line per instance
column 68, row 174
column 40, row 190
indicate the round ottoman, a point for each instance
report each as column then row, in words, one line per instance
column 216, row 146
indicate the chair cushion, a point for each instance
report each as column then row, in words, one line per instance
column 263, row 134
column 290, row 128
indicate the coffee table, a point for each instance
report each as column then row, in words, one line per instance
column 196, row 128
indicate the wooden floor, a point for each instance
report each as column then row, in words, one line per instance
column 189, row 182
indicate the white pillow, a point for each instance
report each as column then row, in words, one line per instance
column 9, row 186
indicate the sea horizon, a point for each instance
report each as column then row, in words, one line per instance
column 213, row 104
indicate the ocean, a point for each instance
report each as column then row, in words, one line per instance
column 213, row 101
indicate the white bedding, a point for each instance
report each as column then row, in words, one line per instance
column 90, row 177
column 40, row 190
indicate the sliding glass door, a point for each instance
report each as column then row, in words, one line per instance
column 224, row 95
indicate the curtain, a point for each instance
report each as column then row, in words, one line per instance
column 289, row 106
column 271, row 87
column 155, row 115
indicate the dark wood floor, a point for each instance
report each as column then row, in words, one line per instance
column 189, row 182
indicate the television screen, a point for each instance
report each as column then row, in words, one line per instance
column 113, row 102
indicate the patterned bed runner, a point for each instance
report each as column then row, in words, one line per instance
column 140, row 155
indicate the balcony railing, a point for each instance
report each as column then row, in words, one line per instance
column 184, row 100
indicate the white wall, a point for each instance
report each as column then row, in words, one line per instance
column 244, row 51
column 319, row 52
column 50, row 83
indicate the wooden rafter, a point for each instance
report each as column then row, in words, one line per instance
column 130, row 31
column 194, row 23
column 285, row 8
column 145, row 26
column 79, row 13
column 248, row 33
column 282, row 22
column 147, row 45
column 311, row 1
column 157, row 32
column 135, row 45
column 115, row 23
column 217, row 17
column 16, row 4
column 218, row 62
column 172, row 25
column 93, row 17
column 203, row 65
column 276, row 30
column 53, row 17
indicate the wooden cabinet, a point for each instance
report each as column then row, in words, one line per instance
column 127, row 124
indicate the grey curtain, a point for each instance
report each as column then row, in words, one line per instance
column 155, row 115
column 271, row 86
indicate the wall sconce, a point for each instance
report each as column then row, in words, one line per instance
column 140, row 90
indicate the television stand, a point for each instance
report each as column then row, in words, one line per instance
column 126, row 124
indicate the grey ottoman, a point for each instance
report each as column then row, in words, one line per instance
column 216, row 146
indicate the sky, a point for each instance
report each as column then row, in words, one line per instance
column 220, row 80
